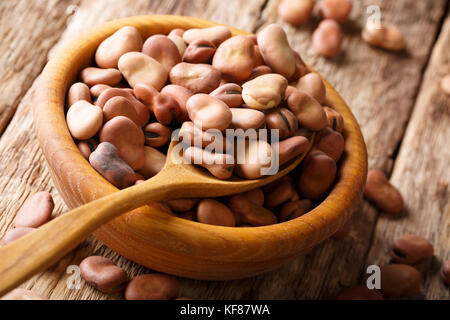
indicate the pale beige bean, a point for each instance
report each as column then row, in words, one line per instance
column 103, row 274
column 156, row 134
column 176, row 32
column 264, row 92
column 295, row 12
column 307, row 110
column 216, row 35
column 16, row 233
column 182, row 205
column 35, row 211
column 163, row 50
column 125, row 40
column 127, row 137
column 213, row 212
column 253, row 158
column 220, row 165
column 230, row 93
column 338, row 10
column 160, row 206
column 276, row 51
column 154, row 161
column 92, row 76
column 250, row 213
column 312, row 84
column 199, row 51
column 22, row 294
column 283, row 120
column 152, row 287
column 207, row 112
column 120, row 106
column 78, row 91
column 234, row 58
column 384, row 36
column 193, row 136
column 84, row 120
column 98, row 89
column 198, row 78
column 327, row 38
column 87, row 147
column 243, row 118
column 137, row 68
column 179, row 42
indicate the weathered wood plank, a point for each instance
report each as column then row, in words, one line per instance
column 422, row 174
column 28, row 30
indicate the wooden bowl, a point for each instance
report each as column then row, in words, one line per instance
column 169, row 244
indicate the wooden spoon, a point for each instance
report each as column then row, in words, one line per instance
column 41, row 248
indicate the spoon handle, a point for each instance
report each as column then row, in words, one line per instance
column 43, row 247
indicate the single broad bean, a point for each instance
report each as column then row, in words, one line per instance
column 78, row 91
column 22, row 294
column 276, row 51
column 411, row 248
column 334, row 119
column 295, row 12
column 317, row 175
column 156, row 134
column 234, row 58
column 86, row 147
column 259, row 71
column 145, row 93
column 207, row 112
column 312, row 84
column 92, row 76
column 243, row 118
column 331, row 142
column 127, row 137
column 445, row 271
column 181, row 94
column 250, row 213
column 182, row 205
column 290, row 148
column 16, row 233
column 179, row 42
column 199, row 51
column 138, row 67
column 126, row 39
column 152, row 287
column 163, row 50
column 220, row 165
column 380, row 192
column 383, row 36
column 193, row 136
column 106, row 160
column 84, row 120
column 279, row 194
column 252, row 158
column 141, row 109
column 216, row 35
column 35, row 211
column 360, row 293
column 283, row 120
column 306, row 109
column 399, row 281
column 165, row 108
column 294, row 209
column 120, row 106
column 198, row 78
column 102, row 274
column 213, row 212
column 97, row 90
column 264, row 92
column 230, row 93
column 327, row 38
column 338, row 10
column 154, row 161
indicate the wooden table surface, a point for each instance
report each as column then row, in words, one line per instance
column 395, row 97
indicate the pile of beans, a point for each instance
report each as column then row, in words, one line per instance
column 124, row 109
column 328, row 36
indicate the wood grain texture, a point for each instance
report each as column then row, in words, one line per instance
column 367, row 78
column 28, row 30
column 422, row 175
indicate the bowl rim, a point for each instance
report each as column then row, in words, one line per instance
column 67, row 166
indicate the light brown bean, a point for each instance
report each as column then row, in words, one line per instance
column 220, row 165
column 248, row 212
column 182, row 205
column 207, row 112
column 213, row 212
column 399, row 280
column 338, row 10
column 152, row 287
column 411, row 248
column 35, row 211
column 102, row 274
column 253, row 158
column 92, row 76
column 163, row 50
column 330, row 142
column 156, row 134
column 86, row 147
column 327, row 38
column 78, row 91
column 283, row 120
column 199, row 51
column 120, row 106
column 230, row 93
column 244, row 118
column 84, row 120
column 154, row 161
column 380, row 192
column 292, row 147
column 334, row 119
column 384, row 36
column 16, row 233
column 295, row 12
column 312, row 84
column 216, row 35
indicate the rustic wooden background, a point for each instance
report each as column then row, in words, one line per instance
column 396, row 98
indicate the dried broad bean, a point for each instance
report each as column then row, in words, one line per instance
column 163, row 50
column 327, row 38
column 384, row 36
column 243, row 118
column 312, row 84
column 92, row 76
column 330, row 142
column 213, row 212
column 338, row 10
column 120, row 106
column 78, row 91
column 411, row 248
column 306, row 109
column 16, row 233
column 103, row 274
column 156, row 134
column 294, row 209
column 220, row 165
column 382, row 193
column 248, row 212
column 152, row 287
column 230, row 93
column 86, row 147
column 198, row 78
column 35, row 211
column 295, row 12
column 216, row 35
column 199, row 51
column 399, row 280
column 264, row 92
column 154, row 161
column 334, row 119
column 283, row 120
column 207, row 112
column 84, row 120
